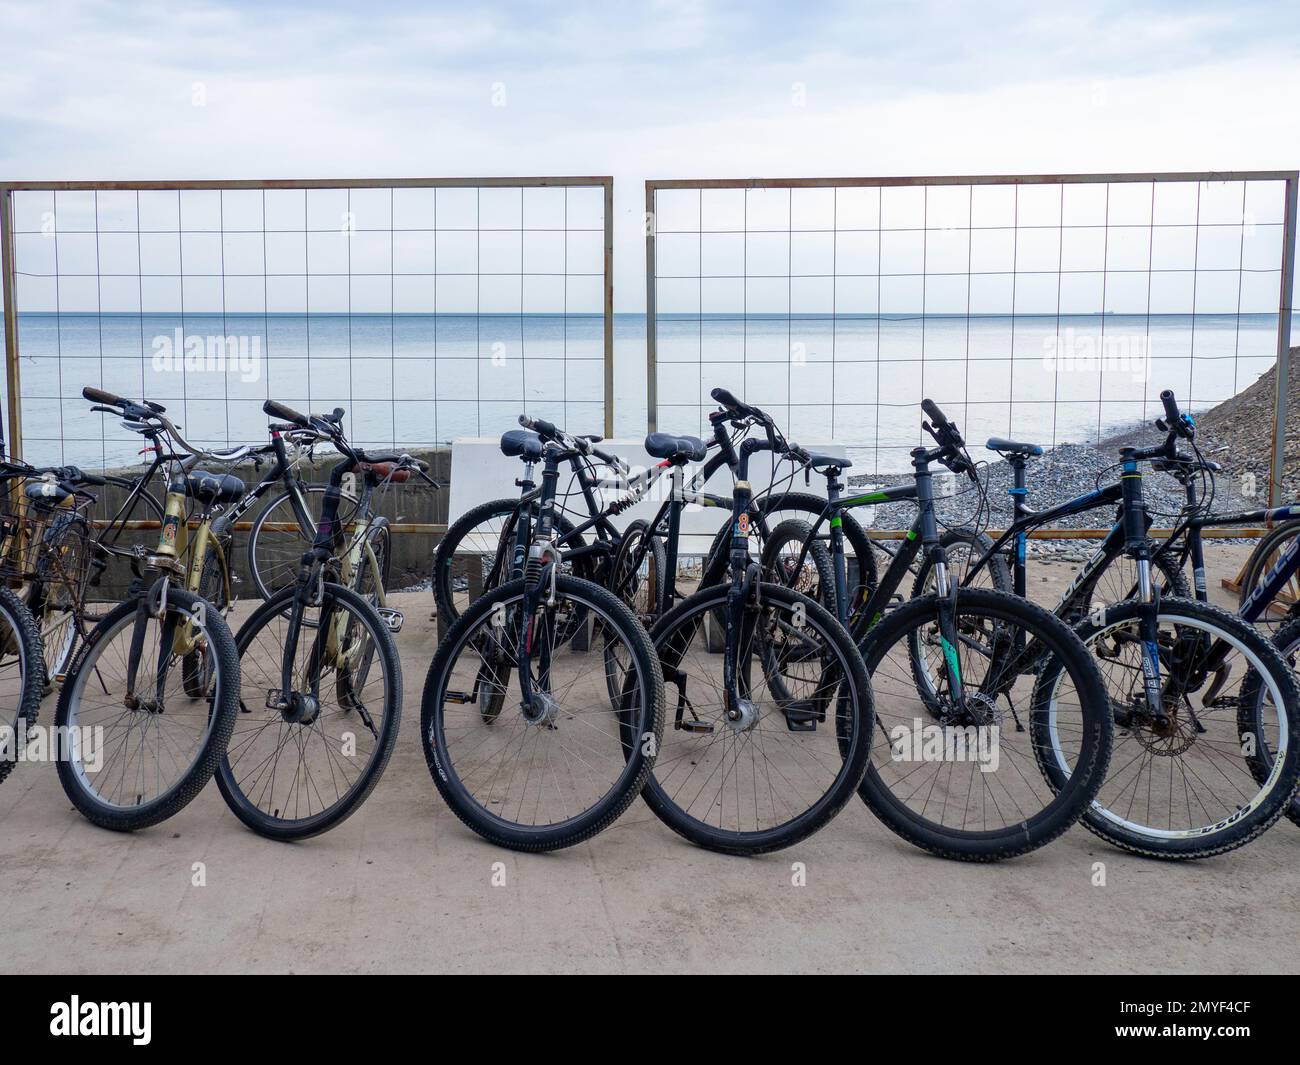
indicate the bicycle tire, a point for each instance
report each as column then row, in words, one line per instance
column 20, row 649
column 1067, row 803
column 1287, row 641
column 854, row 716
column 1247, row 822
column 978, row 543
column 445, row 554
column 638, row 757
column 246, row 808
column 1258, row 564
column 264, row 578
column 223, row 706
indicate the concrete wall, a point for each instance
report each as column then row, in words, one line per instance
column 413, row 502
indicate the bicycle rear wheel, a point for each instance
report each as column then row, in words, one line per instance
column 793, row 760
column 958, row 774
column 1287, row 641
column 62, row 573
column 298, row 767
column 1286, row 607
column 277, row 540
column 567, row 766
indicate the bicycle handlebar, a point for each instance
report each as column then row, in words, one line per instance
column 935, row 415
column 581, row 444
column 146, row 411
column 286, row 413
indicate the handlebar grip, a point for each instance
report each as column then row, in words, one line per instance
column 98, row 395
column 721, row 395
column 284, row 413
column 1171, row 408
column 934, row 413
column 90, row 478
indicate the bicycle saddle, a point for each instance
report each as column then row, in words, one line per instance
column 522, row 443
column 1011, row 447
column 214, row 487
column 675, row 448
column 819, row 461
column 47, row 493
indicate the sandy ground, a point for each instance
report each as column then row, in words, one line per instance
column 403, row 886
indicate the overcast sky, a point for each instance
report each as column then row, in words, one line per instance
column 658, row 89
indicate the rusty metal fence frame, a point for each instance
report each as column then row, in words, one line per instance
column 1290, row 178
column 12, row 436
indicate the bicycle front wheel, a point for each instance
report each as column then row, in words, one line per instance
column 783, row 769
column 954, row 762
column 139, row 747
column 556, row 770
column 1223, row 763
column 300, row 763
column 22, row 676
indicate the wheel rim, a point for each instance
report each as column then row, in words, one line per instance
column 524, row 775
column 1219, row 751
column 295, row 773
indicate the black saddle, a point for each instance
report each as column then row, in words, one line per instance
column 675, row 448
column 1011, row 447
column 821, row 462
column 522, row 443
column 46, row 493
column 214, row 487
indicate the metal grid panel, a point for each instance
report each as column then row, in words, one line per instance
column 429, row 308
column 1049, row 307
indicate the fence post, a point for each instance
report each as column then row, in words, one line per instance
column 609, row 307
column 1283, row 381
column 14, row 434
column 651, row 319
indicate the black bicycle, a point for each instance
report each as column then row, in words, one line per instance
column 993, row 726
column 1205, row 708
column 321, row 696
column 769, row 739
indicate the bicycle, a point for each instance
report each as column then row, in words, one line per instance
column 764, row 755
column 45, row 552
column 164, row 729
column 621, row 561
column 317, row 659
column 1169, row 663
column 525, row 740
column 964, row 718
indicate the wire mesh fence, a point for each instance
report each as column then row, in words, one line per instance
column 430, row 309
column 1044, row 308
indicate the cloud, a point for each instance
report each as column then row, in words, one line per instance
column 673, row 88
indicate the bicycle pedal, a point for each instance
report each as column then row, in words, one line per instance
column 700, row 728
column 275, row 699
column 458, row 697
column 393, row 619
